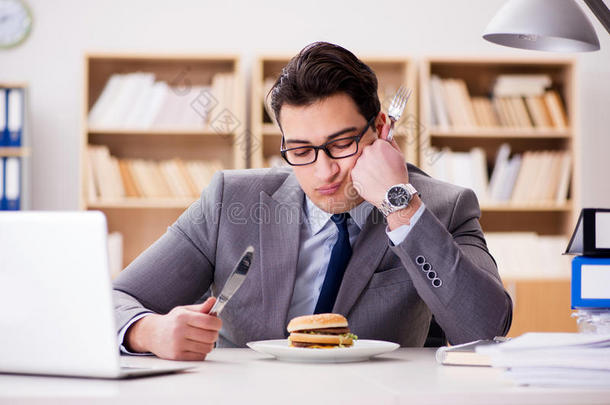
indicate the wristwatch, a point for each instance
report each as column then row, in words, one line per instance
column 397, row 197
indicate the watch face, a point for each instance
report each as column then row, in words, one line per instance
column 398, row 196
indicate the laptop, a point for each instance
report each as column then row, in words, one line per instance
column 57, row 314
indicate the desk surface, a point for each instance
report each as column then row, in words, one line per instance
column 405, row 376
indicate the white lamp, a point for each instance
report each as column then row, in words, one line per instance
column 547, row 25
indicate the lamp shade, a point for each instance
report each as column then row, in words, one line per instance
column 544, row 25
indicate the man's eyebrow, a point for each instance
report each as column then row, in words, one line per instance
column 328, row 138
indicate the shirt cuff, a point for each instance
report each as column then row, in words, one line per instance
column 123, row 331
column 399, row 234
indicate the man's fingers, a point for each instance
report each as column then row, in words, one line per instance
column 208, row 304
column 204, row 321
column 201, row 335
column 385, row 130
column 191, row 356
column 197, row 347
column 204, row 307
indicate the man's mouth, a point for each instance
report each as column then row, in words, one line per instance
column 329, row 189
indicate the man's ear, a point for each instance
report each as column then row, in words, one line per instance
column 379, row 122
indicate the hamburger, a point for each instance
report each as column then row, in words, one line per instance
column 321, row 331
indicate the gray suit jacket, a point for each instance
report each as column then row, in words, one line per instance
column 384, row 294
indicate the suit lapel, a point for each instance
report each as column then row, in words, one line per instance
column 368, row 251
column 281, row 216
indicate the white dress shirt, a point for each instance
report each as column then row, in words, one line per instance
column 318, row 235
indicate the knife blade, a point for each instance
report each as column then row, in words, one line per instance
column 234, row 281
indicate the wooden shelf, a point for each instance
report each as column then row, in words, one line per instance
column 15, row 151
column 154, row 131
column 500, row 133
column 16, row 85
column 131, row 203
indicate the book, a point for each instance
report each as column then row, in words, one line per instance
column 509, row 85
column 438, row 103
column 591, row 236
column 465, row 354
column 556, row 110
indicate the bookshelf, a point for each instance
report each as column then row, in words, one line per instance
column 195, row 119
column 391, row 72
column 542, row 297
column 14, row 149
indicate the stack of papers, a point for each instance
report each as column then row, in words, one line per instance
column 554, row 359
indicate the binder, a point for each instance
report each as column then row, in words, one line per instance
column 12, row 183
column 590, row 282
column 2, row 203
column 3, row 117
column 14, row 117
column 591, row 236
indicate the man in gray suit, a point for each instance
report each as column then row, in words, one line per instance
column 348, row 228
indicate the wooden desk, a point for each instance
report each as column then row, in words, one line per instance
column 228, row 376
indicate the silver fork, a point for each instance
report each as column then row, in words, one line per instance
column 397, row 107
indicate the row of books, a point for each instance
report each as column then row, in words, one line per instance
column 518, row 101
column 137, row 101
column 11, row 116
column 522, row 255
column 534, row 177
column 111, row 178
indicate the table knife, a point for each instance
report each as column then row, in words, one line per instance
column 234, row 281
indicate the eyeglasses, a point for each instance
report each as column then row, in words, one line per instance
column 335, row 149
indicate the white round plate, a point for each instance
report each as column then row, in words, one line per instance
column 362, row 350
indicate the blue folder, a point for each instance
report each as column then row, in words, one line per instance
column 589, row 289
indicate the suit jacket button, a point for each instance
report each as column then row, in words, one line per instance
column 437, row 282
column 426, row 267
column 420, row 260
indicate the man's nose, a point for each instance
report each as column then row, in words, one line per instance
column 326, row 167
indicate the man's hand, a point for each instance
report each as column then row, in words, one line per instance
column 380, row 166
column 185, row 333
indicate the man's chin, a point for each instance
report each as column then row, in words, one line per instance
column 334, row 205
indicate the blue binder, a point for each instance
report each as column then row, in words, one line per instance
column 14, row 117
column 2, row 179
column 590, row 286
column 3, row 117
column 12, row 183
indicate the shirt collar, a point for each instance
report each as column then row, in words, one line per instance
column 318, row 218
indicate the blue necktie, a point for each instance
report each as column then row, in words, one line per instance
column 336, row 267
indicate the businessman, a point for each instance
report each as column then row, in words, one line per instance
column 347, row 228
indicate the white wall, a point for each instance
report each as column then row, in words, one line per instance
column 51, row 60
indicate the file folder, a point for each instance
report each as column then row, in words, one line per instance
column 3, row 117
column 12, row 184
column 591, row 236
column 14, row 117
column 590, row 282
column 2, row 203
